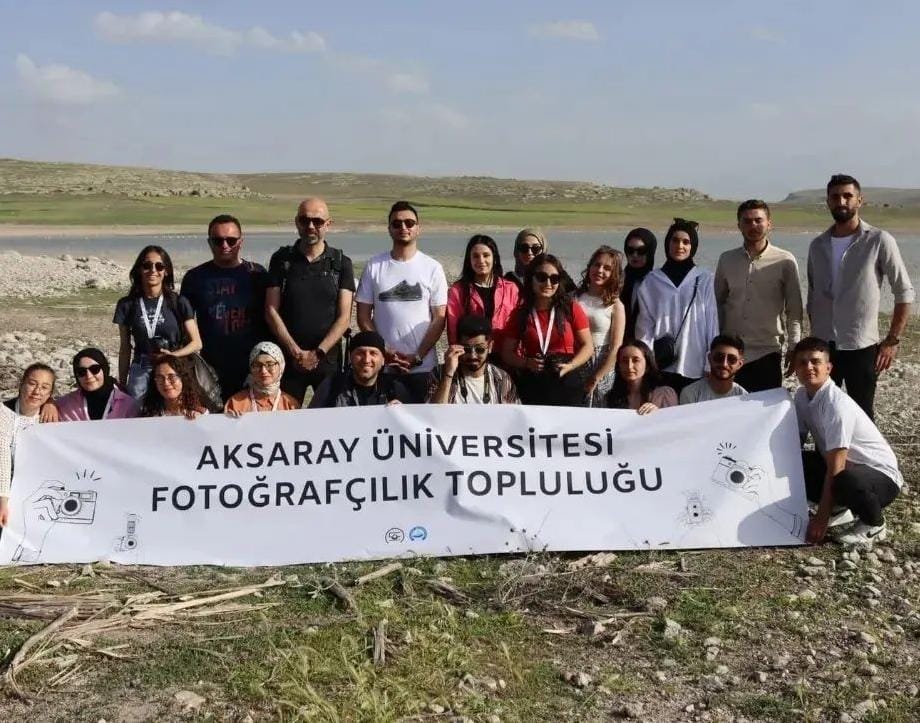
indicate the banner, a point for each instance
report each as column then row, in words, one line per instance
column 373, row 482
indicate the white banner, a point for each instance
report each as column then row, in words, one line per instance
column 373, row 482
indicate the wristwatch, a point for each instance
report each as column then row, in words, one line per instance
column 417, row 361
column 320, row 353
column 891, row 340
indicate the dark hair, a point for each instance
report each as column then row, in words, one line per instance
column 561, row 301
column 842, row 179
column 402, row 206
column 753, row 204
column 224, row 218
column 169, row 278
column 811, row 343
column 189, row 400
column 618, row 397
column 473, row 325
column 688, row 227
column 727, row 340
column 614, row 285
column 37, row 367
column 467, row 275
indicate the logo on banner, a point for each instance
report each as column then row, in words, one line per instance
column 394, row 534
column 418, row 533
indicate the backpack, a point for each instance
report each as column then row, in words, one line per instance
column 332, row 264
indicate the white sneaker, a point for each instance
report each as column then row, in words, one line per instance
column 839, row 515
column 863, row 535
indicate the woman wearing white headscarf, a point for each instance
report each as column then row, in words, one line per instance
column 266, row 365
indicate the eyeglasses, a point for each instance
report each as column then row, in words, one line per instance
column 720, row 357
column 166, row 378
column 268, row 366
column 534, row 249
column 153, row 265
column 477, row 349
column 90, row 371
column 228, row 241
column 32, row 384
column 542, row 277
column 311, row 221
column 636, row 251
column 400, row 222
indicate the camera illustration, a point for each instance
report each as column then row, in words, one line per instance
column 737, row 475
column 128, row 542
column 76, row 507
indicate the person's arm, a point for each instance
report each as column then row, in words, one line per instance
column 434, row 331
column 6, row 463
column 334, row 335
column 794, row 310
column 645, row 320
column 194, row 339
column 720, row 285
column 584, row 353
column 836, row 460
column 614, row 340
column 509, row 350
column 124, row 352
column 276, row 324
column 888, row 348
column 365, row 317
column 451, row 363
column 454, row 311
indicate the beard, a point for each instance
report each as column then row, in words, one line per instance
column 842, row 215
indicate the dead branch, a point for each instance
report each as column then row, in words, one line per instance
column 9, row 675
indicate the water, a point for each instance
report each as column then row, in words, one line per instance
column 573, row 247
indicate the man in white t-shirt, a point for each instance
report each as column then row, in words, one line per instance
column 402, row 296
column 853, row 467
column 726, row 357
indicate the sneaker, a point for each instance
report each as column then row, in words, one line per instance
column 863, row 535
column 839, row 515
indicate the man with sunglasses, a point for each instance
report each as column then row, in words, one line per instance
column 759, row 298
column 311, row 287
column 403, row 297
column 227, row 294
column 467, row 377
column 726, row 357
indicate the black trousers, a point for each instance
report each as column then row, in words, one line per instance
column 854, row 370
column 762, row 374
column 676, row 381
column 295, row 382
column 416, row 384
column 864, row 490
column 548, row 389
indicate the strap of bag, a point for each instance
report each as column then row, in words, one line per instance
column 696, row 285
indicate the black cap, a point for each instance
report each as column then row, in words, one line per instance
column 367, row 338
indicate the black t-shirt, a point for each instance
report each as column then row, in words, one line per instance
column 487, row 295
column 310, row 291
column 168, row 325
column 229, row 306
column 387, row 389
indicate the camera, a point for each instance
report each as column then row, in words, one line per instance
column 736, row 474
column 77, row 507
column 552, row 363
column 159, row 343
column 128, row 542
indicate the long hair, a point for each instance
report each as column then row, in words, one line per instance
column 169, row 279
column 618, row 397
column 611, row 290
column 561, row 301
column 467, row 275
column 190, row 398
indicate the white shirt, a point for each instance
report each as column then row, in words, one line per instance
column 599, row 316
column 838, row 248
column 701, row 391
column 837, row 422
column 661, row 308
column 475, row 390
column 403, row 294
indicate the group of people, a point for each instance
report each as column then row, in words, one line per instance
column 624, row 335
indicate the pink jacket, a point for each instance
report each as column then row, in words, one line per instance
column 71, row 407
column 459, row 303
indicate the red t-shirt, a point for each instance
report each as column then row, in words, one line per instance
column 563, row 343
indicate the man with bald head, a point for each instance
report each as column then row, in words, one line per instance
column 308, row 302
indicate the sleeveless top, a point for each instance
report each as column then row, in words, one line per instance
column 599, row 317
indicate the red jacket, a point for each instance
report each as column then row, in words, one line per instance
column 461, row 301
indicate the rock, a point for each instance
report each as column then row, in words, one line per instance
column 814, row 562
column 808, row 594
column 912, row 690
column 861, row 710
column 712, row 683
column 867, row 669
column 672, row 629
column 591, row 628
column 721, row 670
column 471, row 614
column 867, row 638
column 579, row 679
column 189, row 700
column 780, row 662
column 629, row 710
column 760, row 676
column 436, row 708
column 656, row 604
column 660, row 676
column 712, row 642
column 87, row 571
column 848, row 565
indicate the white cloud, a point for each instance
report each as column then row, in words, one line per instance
column 567, row 29
column 179, row 27
column 62, row 84
column 407, row 83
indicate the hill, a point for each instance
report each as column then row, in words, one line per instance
column 874, row 196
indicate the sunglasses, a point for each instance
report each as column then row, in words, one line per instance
column 534, row 249
column 400, row 222
column 90, row 371
column 542, row 277
column 636, row 251
column 477, row 349
column 311, row 221
column 228, row 241
column 153, row 265
column 267, row 366
column 720, row 357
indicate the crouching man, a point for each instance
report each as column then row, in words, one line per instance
column 467, row 376
column 361, row 384
column 853, row 472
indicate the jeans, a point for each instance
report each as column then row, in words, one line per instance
column 139, row 378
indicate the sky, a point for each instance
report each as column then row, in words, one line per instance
column 735, row 99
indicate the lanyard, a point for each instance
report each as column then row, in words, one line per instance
column 486, row 394
column 108, row 406
column 150, row 327
column 255, row 407
column 544, row 343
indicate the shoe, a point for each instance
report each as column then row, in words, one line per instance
column 839, row 515
column 863, row 535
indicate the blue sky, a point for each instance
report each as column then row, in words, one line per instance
column 713, row 95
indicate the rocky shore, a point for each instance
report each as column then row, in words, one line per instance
column 36, row 276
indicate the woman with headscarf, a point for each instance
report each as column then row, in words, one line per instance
column 97, row 396
column 528, row 244
column 266, row 365
column 639, row 246
column 677, row 309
